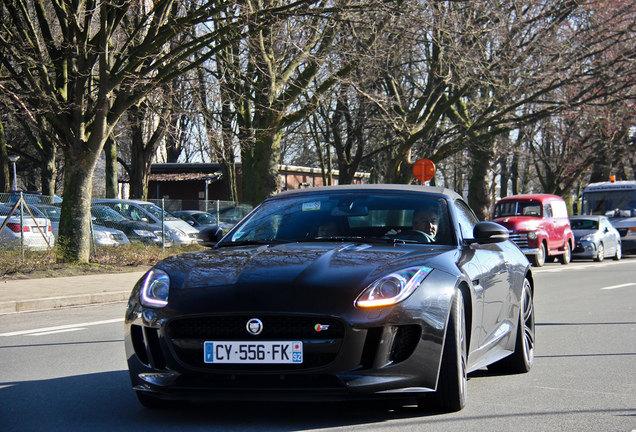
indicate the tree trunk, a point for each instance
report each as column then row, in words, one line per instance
column 110, row 152
column 139, row 158
column 48, row 168
column 74, row 234
column 478, row 196
column 260, row 167
column 5, row 175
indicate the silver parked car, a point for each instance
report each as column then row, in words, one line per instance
column 595, row 238
column 142, row 211
column 33, row 230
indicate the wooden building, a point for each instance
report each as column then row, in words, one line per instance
column 191, row 182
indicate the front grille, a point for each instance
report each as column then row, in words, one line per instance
column 623, row 231
column 187, row 336
column 520, row 239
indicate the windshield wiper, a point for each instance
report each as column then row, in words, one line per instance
column 253, row 242
column 343, row 239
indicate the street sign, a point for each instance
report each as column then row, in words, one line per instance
column 424, row 170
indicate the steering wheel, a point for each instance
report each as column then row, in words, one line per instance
column 414, row 235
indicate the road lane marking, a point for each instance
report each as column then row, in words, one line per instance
column 618, row 286
column 59, row 328
column 578, row 266
column 57, row 331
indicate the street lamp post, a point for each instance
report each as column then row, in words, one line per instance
column 13, row 159
column 208, row 181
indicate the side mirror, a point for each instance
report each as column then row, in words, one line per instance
column 489, row 232
column 210, row 236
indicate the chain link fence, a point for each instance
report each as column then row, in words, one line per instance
column 29, row 221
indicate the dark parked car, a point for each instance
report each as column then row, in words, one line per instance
column 135, row 231
column 200, row 219
column 596, row 238
column 101, row 235
column 180, row 232
column 330, row 292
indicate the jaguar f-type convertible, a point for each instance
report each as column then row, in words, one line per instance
column 334, row 293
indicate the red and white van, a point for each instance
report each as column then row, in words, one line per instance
column 539, row 225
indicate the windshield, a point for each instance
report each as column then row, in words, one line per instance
column 518, row 208
column 584, row 224
column 106, row 214
column 157, row 212
column 204, row 218
column 617, row 203
column 375, row 216
column 53, row 213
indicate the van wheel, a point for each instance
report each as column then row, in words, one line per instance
column 566, row 257
column 539, row 259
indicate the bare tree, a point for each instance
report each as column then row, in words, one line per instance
column 74, row 63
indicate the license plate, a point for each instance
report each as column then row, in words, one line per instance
column 241, row 352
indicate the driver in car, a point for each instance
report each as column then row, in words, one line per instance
column 425, row 220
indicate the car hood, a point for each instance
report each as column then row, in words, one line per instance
column 293, row 274
column 578, row 233
column 518, row 223
column 181, row 225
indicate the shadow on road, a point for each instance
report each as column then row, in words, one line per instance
column 105, row 401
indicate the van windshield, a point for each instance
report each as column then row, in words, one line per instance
column 518, row 208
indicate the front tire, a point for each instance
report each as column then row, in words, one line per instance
column 566, row 256
column 600, row 253
column 522, row 359
column 452, row 382
column 539, row 259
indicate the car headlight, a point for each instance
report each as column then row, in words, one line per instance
column 99, row 235
column 154, row 292
column 144, row 233
column 588, row 237
column 176, row 233
column 393, row 288
column 532, row 235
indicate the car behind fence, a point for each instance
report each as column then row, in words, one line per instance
column 29, row 221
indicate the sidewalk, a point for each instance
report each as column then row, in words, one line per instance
column 37, row 294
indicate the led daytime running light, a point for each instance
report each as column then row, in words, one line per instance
column 404, row 283
column 154, row 292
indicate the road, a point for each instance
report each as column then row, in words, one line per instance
column 65, row 370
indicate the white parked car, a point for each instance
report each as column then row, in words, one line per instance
column 181, row 232
column 33, row 232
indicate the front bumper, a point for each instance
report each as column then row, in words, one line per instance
column 529, row 251
column 585, row 249
column 393, row 352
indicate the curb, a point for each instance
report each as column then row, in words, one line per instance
column 59, row 302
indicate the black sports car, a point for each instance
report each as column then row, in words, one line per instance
column 330, row 293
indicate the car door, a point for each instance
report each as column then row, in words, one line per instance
column 551, row 228
column 488, row 269
column 610, row 237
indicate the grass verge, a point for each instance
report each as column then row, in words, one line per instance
column 39, row 264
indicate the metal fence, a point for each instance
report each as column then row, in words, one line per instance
column 30, row 221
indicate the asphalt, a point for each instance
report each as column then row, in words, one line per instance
column 26, row 295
